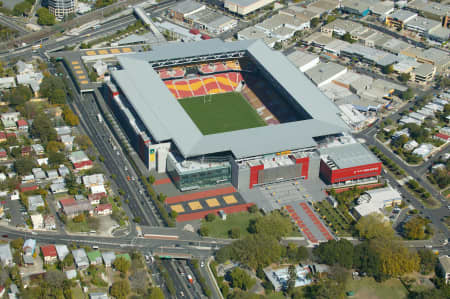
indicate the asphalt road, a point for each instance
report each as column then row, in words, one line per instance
column 9, row 22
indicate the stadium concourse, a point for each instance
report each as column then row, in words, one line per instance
column 211, row 113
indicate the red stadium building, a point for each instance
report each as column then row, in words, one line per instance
column 348, row 163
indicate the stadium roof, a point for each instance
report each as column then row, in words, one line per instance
column 166, row 120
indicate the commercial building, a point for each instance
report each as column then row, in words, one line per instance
column 341, row 27
column 6, row 255
column 382, row 9
column 432, row 9
column 280, row 277
column 62, row 8
column 399, row 18
column 244, row 7
column 369, row 55
column 184, row 9
column 423, row 150
column 324, row 73
column 422, row 25
column 372, row 201
column 303, row 60
column 142, row 94
column 424, row 73
column 253, row 32
column 356, row 7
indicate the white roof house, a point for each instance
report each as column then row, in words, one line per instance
column 5, row 254
column 93, row 180
column 7, row 82
column 410, row 145
column 23, row 67
column 423, row 150
column 35, row 201
column 80, row 257
column 62, row 251
column 372, row 201
column 108, row 258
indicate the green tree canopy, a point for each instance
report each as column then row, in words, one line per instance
column 241, row 279
column 275, row 225
column 335, row 253
column 18, row 95
column 42, row 128
column 374, row 226
column 45, row 17
column 120, row 289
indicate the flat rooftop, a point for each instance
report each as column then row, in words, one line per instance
column 166, row 120
column 349, row 155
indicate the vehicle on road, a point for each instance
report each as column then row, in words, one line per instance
column 190, row 279
column 4, row 236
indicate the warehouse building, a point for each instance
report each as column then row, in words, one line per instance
column 245, row 7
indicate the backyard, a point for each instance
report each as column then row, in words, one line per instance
column 368, row 288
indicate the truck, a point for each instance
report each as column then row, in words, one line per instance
column 190, row 279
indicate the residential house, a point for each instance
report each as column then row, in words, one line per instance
column 444, row 264
column 63, row 130
column 37, row 220
column 71, row 274
column 39, row 174
column 2, row 137
column 7, row 82
column 442, row 137
column 108, row 258
column 42, row 161
column 6, row 255
column 33, row 80
column 26, row 187
column 49, row 253
column 22, row 125
column 49, row 222
column 80, row 257
column 3, row 154
column 52, row 174
column 71, row 208
column 98, row 189
column 2, row 288
column 80, row 161
column 67, row 140
column 15, row 195
column 94, row 199
column 98, row 296
column 62, row 251
column 29, row 247
column 410, row 145
column 9, row 120
column 423, row 150
column 95, row 257
column 93, row 180
column 63, row 171
column 35, row 201
column 104, row 209
column 26, row 151
column 58, row 188
column 38, row 149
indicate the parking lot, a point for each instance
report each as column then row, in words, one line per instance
column 16, row 210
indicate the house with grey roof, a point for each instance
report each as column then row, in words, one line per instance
column 80, row 257
column 108, row 258
column 6, row 255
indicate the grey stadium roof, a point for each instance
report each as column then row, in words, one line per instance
column 166, row 120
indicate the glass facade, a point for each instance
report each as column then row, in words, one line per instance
column 189, row 179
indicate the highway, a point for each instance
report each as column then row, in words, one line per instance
column 9, row 22
column 115, row 160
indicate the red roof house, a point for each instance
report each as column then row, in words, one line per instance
column 28, row 187
column 67, row 202
column 94, row 199
column 2, row 137
column 22, row 125
column 104, row 209
column 441, row 136
column 49, row 253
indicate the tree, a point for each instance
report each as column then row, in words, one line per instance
column 254, row 208
column 374, row 226
column 53, row 88
column 19, row 95
column 395, row 259
column 414, row 229
column 335, row 253
column 330, row 18
column 45, row 17
column 68, row 260
column 314, row 22
column 404, row 77
column 120, row 289
column 347, row 37
column 274, row 224
column 210, row 217
column 79, row 218
column 388, row 69
column 56, row 158
column 203, row 231
column 54, row 146
column 240, row 279
column 278, row 46
column 255, row 250
column 156, row 293
column 234, row 233
column 83, row 141
column 17, row 244
column 103, row 3
column 24, row 165
column 22, row 8
column 121, row 264
column 42, row 128
column 407, row 94
column 428, row 261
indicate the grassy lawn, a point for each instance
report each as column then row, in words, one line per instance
column 219, row 228
column 368, row 288
column 221, row 113
column 77, row 293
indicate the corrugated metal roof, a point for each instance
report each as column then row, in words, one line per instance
column 166, row 120
column 349, row 155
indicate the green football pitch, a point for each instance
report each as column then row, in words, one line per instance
column 221, row 113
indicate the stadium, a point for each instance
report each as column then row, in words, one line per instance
column 213, row 112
